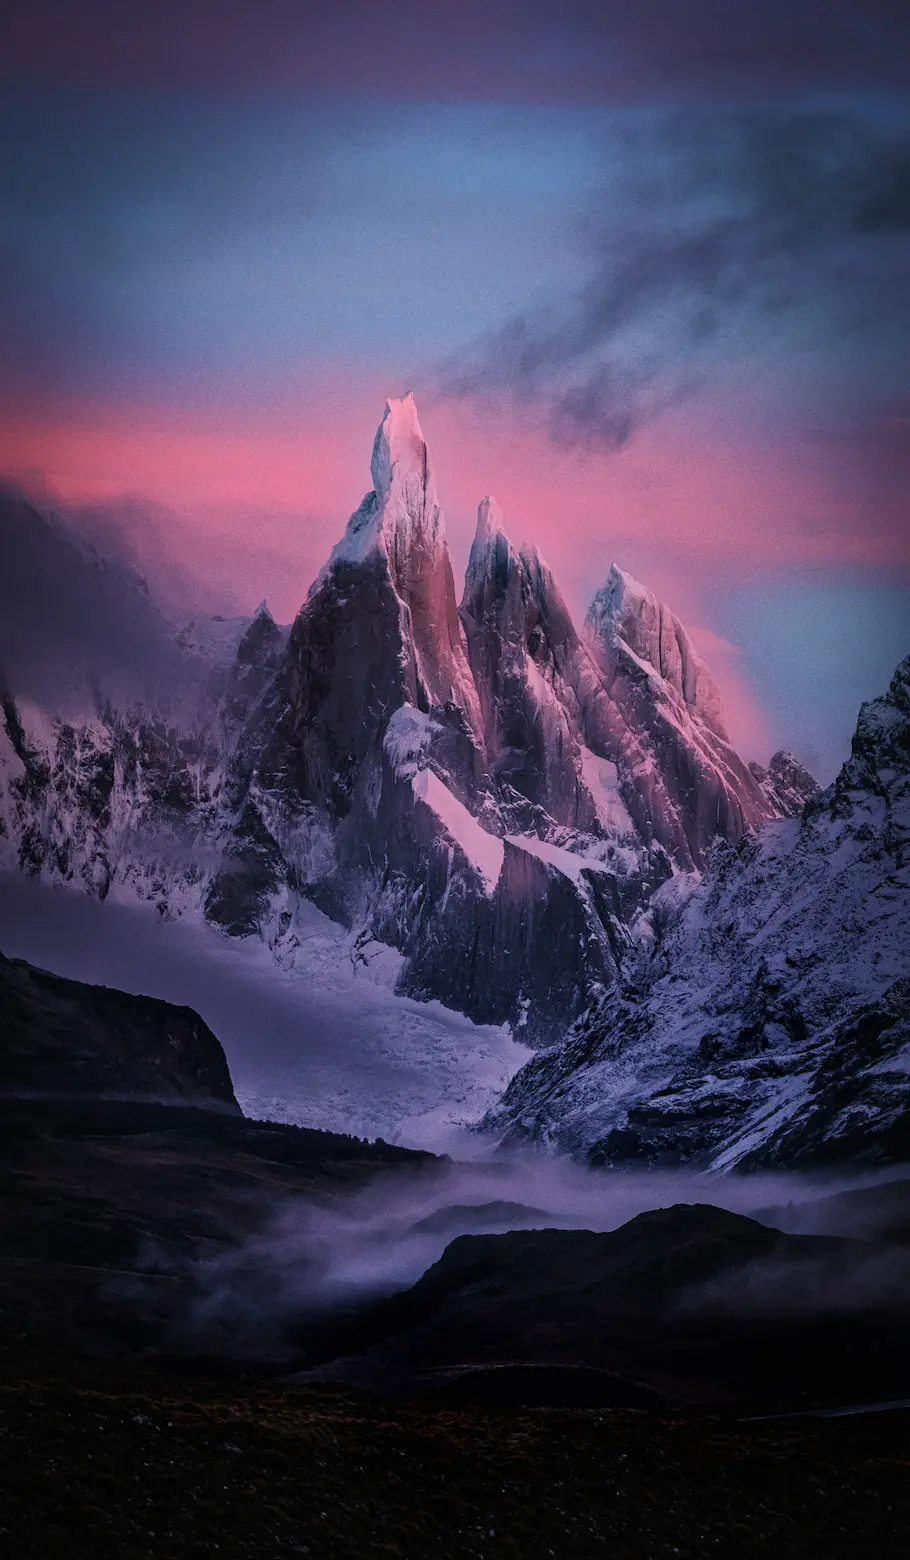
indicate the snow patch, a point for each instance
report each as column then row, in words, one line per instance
column 362, row 538
column 557, row 857
column 484, row 851
column 602, row 781
column 407, row 740
column 675, row 893
column 215, row 638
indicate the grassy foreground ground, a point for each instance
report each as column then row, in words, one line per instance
column 152, row 1469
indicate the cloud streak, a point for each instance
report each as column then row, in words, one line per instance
column 751, row 234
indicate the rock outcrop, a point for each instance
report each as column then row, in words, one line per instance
column 787, row 783
column 63, row 1039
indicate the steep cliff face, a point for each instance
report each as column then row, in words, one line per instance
column 63, row 1038
column 663, row 716
column 520, row 636
column 383, row 610
column 482, row 787
column 766, row 1020
column 625, row 611
column 617, row 732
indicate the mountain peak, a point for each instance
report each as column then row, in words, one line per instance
column 490, row 549
column 626, row 612
column 402, row 508
column 401, row 601
column 787, row 783
column 538, row 570
column 619, row 596
column 879, row 762
column 489, row 519
column 400, row 451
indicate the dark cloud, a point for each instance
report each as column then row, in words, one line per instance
column 74, row 621
column 739, row 235
column 520, row 50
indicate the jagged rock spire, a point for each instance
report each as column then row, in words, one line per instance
column 627, row 609
column 491, row 559
column 380, row 628
column 516, row 624
column 787, row 783
column 400, row 455
column 401, row 512
column 489, row 527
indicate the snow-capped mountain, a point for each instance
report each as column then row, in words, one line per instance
column 494, row 793
column 766, row 1017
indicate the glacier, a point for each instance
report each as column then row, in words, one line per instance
column 533, row 822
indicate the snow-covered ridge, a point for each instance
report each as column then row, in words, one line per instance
column 476, row 785
column 771, row 1017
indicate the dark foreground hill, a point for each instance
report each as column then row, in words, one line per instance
column 111, row 1434
column 170, row 1385
column 63, row 1037
column 266, row 1473
column 681, row 1307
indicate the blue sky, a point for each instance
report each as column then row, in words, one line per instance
column 650, row 283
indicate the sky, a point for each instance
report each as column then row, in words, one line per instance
column 646, row 270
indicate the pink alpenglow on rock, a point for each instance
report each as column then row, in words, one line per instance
column 491, row 792
column 656, row 636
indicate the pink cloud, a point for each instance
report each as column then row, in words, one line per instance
column 747, row 723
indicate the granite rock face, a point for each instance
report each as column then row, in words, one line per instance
column 520, row 640
column 619, row 728
column 684, row 782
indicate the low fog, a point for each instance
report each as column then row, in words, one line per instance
column 327, row 1045
column 331, row 1256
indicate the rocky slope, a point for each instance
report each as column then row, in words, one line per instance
column 765, row 1020
column 64, row 1039
column 787, row 784
column 690, row 1305
column 482, row 786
